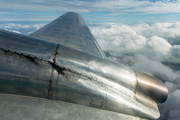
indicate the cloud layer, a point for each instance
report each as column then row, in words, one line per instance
column 150, row 48
column 21, row 28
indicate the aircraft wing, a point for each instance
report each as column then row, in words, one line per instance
column 16, row 107
column 70, row 30
column 63, row 79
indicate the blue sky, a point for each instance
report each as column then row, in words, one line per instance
column 92, row 10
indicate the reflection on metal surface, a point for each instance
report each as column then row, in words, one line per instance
column 152, row 87
column 37, row 109
column 33, row 67
column 70, row 30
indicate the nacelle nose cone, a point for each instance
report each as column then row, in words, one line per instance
column 153, row 87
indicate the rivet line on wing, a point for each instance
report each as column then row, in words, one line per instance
column 25, row 56
column 53, row 64
column 56, row 67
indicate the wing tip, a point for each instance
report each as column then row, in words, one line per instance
column 80, row 19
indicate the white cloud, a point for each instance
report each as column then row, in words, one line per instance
column 159, row 44
column 176, row 50
column 20, row 28
column 12, row 25
column 154, row 39
column 122, row 37
column 147, row 48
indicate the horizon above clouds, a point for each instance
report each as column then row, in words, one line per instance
column 142, row 34
column 92, row 10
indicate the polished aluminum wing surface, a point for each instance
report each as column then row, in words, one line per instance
column 58, row 78
column 70, row 30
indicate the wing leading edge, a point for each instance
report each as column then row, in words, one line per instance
column 32, row 88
